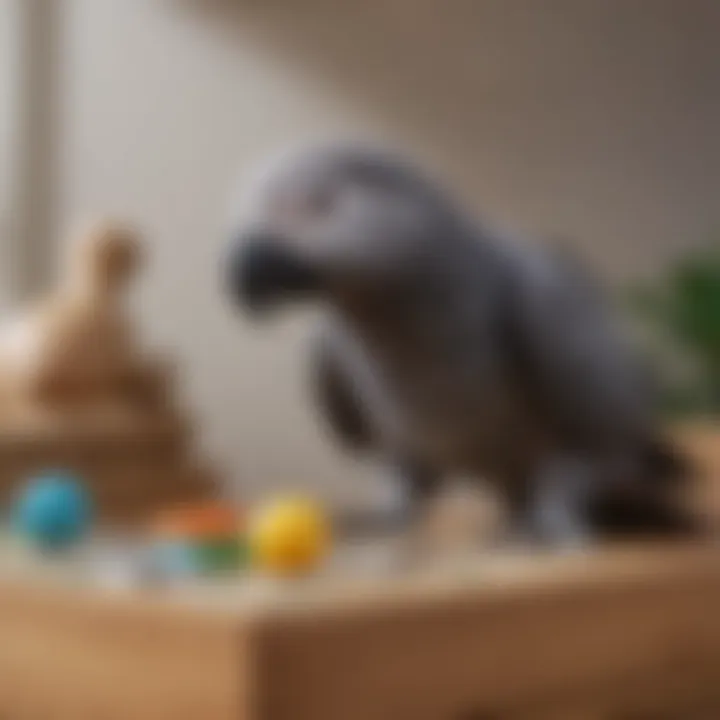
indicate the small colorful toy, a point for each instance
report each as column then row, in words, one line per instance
column 199, row 539
column 52, row 511
column 289, row 536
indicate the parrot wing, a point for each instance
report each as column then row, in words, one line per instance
column 569, row 351
column 335, row 395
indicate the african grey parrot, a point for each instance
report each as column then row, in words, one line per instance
column 451, row 347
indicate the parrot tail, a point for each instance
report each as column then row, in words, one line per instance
column 666, row 465
column 658, row 505
column 648, row 517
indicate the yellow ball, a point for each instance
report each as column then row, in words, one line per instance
column 289, row 536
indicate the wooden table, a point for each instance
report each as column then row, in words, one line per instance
column 623, row 633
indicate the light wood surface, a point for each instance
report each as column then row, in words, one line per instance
column 519, row 637
column 590, row 632
column 701, row 440
column 81, row 657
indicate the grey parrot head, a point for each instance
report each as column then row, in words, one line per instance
column 329, row 221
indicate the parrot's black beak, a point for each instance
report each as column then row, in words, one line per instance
column 262, row 272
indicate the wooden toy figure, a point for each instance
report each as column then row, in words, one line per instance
column 76, row 345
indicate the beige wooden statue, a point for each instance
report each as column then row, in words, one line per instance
column 76, row 345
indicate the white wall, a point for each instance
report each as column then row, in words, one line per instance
column 7, row 92
column 28, row 135
column 9, row 76
column 596, row 119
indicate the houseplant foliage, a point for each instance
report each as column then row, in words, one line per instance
column 680, row 309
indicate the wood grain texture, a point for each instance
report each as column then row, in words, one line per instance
column 71, row 656
column 619, row 632
column 605, row 634
column 701, row 441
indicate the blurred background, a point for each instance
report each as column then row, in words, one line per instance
column 595, row 121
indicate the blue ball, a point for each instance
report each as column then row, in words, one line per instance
column 53, row 511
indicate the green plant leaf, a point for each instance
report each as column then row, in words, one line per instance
column 682, row 309
column 694, row 308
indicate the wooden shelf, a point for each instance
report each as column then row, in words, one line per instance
column 606, row 635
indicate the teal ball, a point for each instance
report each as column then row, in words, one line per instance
column 53, row 511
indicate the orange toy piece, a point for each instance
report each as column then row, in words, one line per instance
column 205, row 520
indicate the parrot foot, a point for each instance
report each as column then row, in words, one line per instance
column 563, row 492
column 551, row 512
